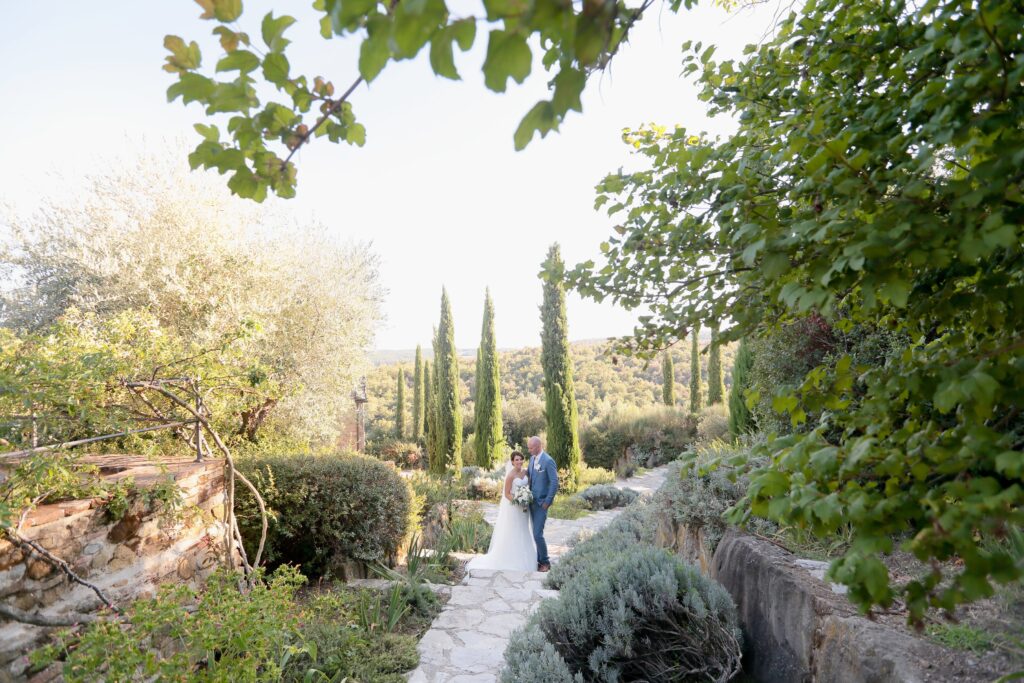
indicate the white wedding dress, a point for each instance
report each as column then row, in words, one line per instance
column 512, row 545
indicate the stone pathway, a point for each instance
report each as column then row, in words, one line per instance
column 466, row 643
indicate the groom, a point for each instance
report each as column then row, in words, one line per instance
column 543, row 475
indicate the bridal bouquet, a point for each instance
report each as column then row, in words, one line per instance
column 522, row 497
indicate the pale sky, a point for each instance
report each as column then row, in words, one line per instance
column 438, row 189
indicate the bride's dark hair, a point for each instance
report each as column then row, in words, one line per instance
column 512, row 458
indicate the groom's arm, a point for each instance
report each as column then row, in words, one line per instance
column 552, row 470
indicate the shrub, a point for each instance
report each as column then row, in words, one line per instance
column 631, row 529
column 530, row 658
column 568, row 507
column 466, row 532
column 713, row 423
column 637, row 616
column 407, row 455
column 655, row 433
column 698, row 495
column 484, row 488
column 225, row 636
column 326, row 510
column 522, row 418
column 350, row 635
column 590, row 476
column 607, row 497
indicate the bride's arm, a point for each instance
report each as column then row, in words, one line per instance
column 508, row 486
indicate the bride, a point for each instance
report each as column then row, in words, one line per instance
column 512, row 545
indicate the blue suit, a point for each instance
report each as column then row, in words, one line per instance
column 543, row 475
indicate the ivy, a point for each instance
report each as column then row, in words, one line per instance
column 874, row 181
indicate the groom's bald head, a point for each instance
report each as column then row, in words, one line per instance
column 534, row 445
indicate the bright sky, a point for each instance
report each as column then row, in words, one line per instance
column 438, row 189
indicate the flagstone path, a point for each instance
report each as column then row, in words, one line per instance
column 466, row 643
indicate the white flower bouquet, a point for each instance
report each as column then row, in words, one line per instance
column 523, row 497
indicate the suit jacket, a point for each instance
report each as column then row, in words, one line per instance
column 543, row 481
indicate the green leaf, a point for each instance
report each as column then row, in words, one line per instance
column 442, row 60
column 508, row 56
column 239, row 60
column 191, row 88
column 569, row 84
column 499, row 9
column 209, row 133
column 227, row 10
column 275, row 68
column 273, row 31
column 183, row 57
column 375, row 51
column 540, row 118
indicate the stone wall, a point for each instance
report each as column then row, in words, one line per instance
column 127, row 558
column 797, row 628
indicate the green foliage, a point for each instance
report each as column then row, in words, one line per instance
column 603, row 380
column 636, row 615
column 872, row 181
column 326, row 510
column 488, row 439
column 589, row 476
column 352, row 634
column 522, row 418
column 418, row 396
column 266, row 634
column 668, row 381
column 716, row 386
column 47, row 477
column 563, row 439
column 400, row 406
column 225, row 636
column 961, row 637
column 466, row 532
column 653, row 435
column 429, row 408
column 713, row 424
column 699, row 499
column 157, row 273
column 607, row 497
column 274, row 110
column 407, row 455
column 568, row 507
column 632, row 529
column 447, row 439
column 740, row 419
column 696, row 386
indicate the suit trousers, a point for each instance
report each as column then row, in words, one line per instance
column 540, row 516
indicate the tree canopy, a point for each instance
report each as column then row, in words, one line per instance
column 264, row 132
column 875, row 179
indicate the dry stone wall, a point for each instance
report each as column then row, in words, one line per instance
column 127, row 558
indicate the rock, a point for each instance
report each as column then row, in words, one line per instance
column 38, row 569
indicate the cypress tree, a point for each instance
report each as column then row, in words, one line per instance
column 417, row 396
column 400, row 405
column 740, row 419
column 696, row 392
column 559, row 390
column 488, row 438
column 449, row 407
column 668, row 380
column 716, row 386
column 429, row 413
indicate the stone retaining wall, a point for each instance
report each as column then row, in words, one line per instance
column 127, row 558
column 797, row 628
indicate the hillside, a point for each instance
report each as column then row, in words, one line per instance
column 602, row 382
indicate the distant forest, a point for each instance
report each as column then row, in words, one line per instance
column 603, row 381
